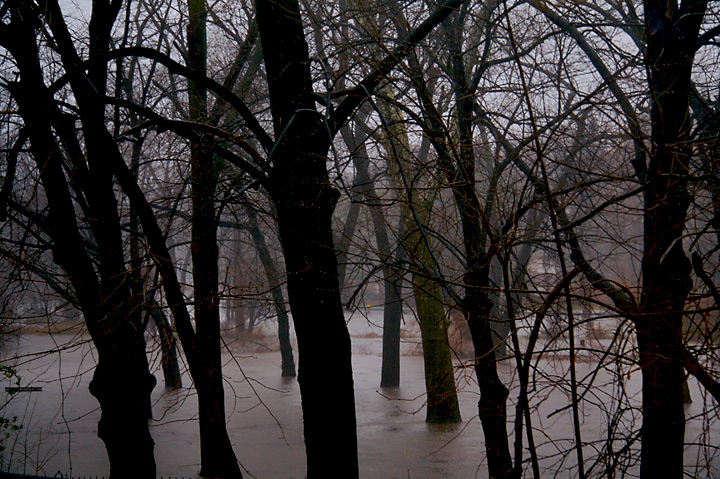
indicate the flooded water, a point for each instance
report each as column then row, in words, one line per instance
column 264, row 416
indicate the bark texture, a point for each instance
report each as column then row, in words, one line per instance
column 304, row 201
column 672, row 34
column 418, row 197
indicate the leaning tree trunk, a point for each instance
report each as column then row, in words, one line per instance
column 274, row 281
column 442, row 402
column 168, row 348
column 392, row 277
column 492, row 406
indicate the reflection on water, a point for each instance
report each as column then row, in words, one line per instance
column 264, row 417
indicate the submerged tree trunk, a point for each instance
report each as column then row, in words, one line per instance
column 392, row 319
column 121, row 382
column 323, row 339
column 304, row 201
column 492, row 406
column 442, row 402
column 458, row 164
column 122, row 385
column 169, row 355
column 392, row 277
column 217, row 458
column 273, row 277
column 304, row 216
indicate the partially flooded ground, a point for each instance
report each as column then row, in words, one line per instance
column 264, row 415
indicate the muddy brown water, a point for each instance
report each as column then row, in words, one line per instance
column 265, row 421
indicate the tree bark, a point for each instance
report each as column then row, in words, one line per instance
column 492, row 406
column 442, row 403
column 121, row 382
column 672, row 34
column 304, row 201
column 392, row 277
column 217, row 458
column 273, row 277
column 169, row 355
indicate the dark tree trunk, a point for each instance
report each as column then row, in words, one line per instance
column 392, row 318
column 169, row 358
column 492, row 405
column 672, row 34
column 460, row 169
column 442, row 403
column 325, row 371
column 217, row 458
column 304, row 201
column 122, row 385
column 344, row 241
column 273, row 277
column 121, row 382
column 392, row 278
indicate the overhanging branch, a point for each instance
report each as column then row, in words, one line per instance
column 365, row 88
column 225, row 93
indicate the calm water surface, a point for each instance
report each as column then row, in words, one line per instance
column 264, row 416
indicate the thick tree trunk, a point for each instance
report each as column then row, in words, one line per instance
column 217, row 458
column 325, row 370
column 122, row 382
column 122, row 385
column 442, row 402
column 672, row 34
column 304, row 201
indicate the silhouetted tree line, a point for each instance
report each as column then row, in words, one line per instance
column 507, row 164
